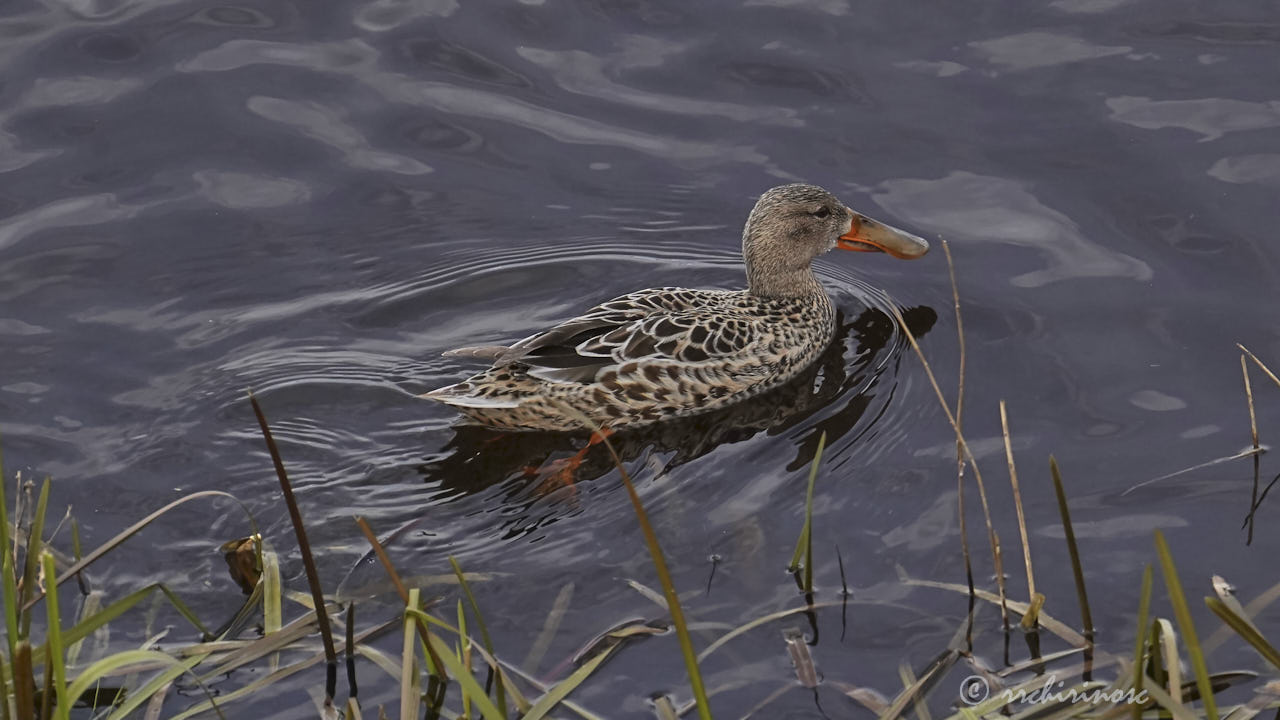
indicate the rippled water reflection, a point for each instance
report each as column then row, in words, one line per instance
column 314, row 200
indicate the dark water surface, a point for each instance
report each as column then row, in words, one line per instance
column 313, row 200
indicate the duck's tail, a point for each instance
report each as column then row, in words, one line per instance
column 486, row 353
column 464, row 395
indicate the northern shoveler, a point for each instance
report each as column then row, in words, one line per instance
column 672, row 352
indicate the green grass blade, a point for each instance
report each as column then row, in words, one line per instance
column 660, row 567
column 272, row 615
column 1175, row 708
column 4, row 510
column 466, row 680
column 5, row 713
column 1144, row 609
column 804, row 543
column 550, row 626
column 113, row 664
column 1047, row 621
column 54, row 640
column 47, row 695
column 908, row 678
column 1183, row 615
column 464, row 655
column 133, row 529
column 1077, row 571
column 1164, row 642
column 433, row 666
column 10, row 590
column 561, row 690
column 668, row 590
column 35, row 541
column 272, row 592
column 763, row 620
column 90, row 605
column 135, row 698
column 76, row 550
column 1245, row 629
column 484, row 631
column 257, row 687
column 89, row 625
column 410, row 678
column 910, row 694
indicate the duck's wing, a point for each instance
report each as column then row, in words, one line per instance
column 673, row 324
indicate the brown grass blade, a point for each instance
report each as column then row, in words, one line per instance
column 1260, row 364
column 801, row 658
column 437, row 667
column 304, row 549
column 1017, row 501
column 951, row 418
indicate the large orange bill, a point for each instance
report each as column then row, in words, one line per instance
column 867, row 235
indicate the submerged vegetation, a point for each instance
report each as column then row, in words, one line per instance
column 448, row 666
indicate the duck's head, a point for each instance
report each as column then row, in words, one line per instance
column 793, row 224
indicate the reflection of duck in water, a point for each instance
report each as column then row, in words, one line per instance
column 671, row 353
column 478, row 457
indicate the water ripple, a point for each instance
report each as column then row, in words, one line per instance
column 990, row 209
column 357, row 58
column 1210, row 117
column 588, row 74
column 325, row 125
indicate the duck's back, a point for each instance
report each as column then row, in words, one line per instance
column 639, row 358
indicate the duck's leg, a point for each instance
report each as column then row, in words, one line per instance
column 560, row 473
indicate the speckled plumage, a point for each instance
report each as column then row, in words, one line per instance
column 672, row 352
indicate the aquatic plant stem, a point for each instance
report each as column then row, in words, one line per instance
column 668, row 590
column 1182, row 613
column 304, row 547
column 435, row 666
column 1139, row 662
column 484, row 630
column 1248, row 393
column 804, row 543
column 1017, row 506
column 1260, row 364
column 1257, row 460
column 955, row 425
column 8, row 580
column 959, row 424
column 1086, row 617
column 55, row 657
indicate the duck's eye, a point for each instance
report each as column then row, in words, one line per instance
column 822, row 213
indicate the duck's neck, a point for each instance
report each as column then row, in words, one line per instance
column 778, row 283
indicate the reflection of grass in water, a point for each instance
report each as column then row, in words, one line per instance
column 444, row 672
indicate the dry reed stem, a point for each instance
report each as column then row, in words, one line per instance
column 951, row 418
column 1260, row 364
column 1253, row 430
column 964, row 526
column 1248, row 393
column 1017, row 502
column 955, row 301
column 999, row 562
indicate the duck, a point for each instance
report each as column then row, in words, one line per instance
column 671, row 352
